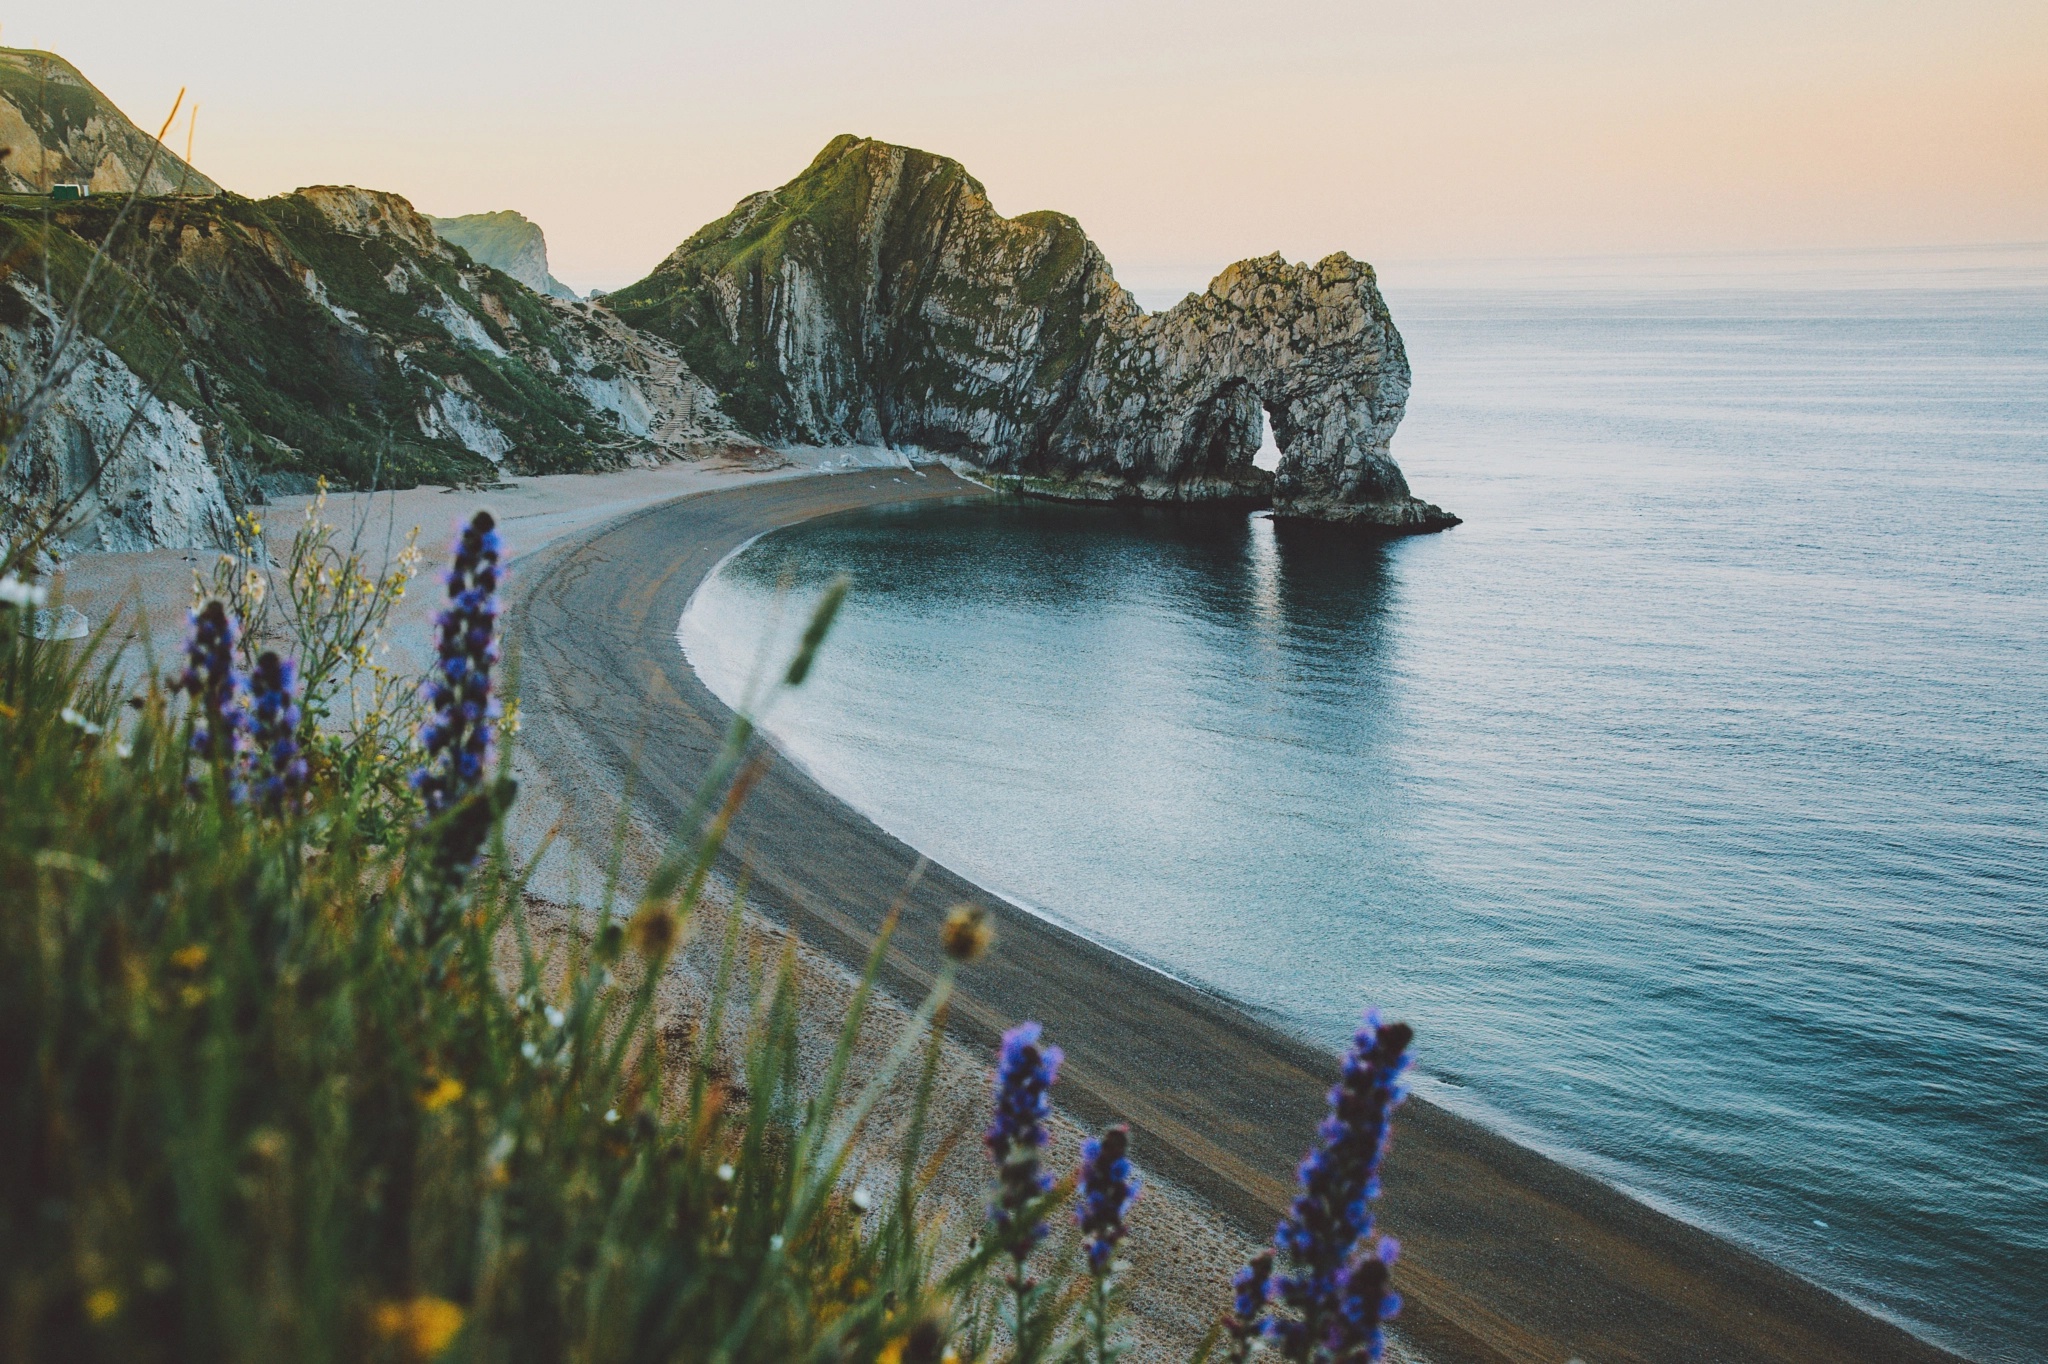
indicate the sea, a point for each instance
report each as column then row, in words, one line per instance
column 1690, row 799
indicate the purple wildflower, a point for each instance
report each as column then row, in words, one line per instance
column 214, row 684
column 1108, row 1188
column 1338, row 1281
column 278, row 769
column 1248, row 1306
column 1025, row 1071
column 458, row 736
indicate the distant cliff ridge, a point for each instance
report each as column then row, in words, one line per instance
column 506, row 241
column 878, row 298
column 55, row 128
column 327, row 331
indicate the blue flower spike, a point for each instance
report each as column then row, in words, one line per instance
column 458, row 736
column 1025, row 1072
column 1338, row 1284
column 278, row 769
column 1108, row 1188
column 1246, row 1321
column 213, row 682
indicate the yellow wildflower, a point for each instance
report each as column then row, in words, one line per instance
column 190, row 958
column 423, row 1327
column 653, row 931
column 102, row 1303
column 967, row 933
column 441, row 1093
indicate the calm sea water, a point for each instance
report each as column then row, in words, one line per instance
column 1689, row 799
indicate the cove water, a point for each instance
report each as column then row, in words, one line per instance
column 1689, row 799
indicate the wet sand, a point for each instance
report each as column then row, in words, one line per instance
column 1507, row 1255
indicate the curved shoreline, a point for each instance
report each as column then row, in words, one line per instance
column 1508, row 1255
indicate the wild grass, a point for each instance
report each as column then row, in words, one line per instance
column 271, row 1095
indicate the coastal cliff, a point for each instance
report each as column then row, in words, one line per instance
column 233, row 348
column 55, row 127
column 329, row 331
column 878, row 298
column 507, row 241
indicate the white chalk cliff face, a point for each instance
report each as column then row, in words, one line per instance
column 643, row 384
column 879, row 299
column 136, row 471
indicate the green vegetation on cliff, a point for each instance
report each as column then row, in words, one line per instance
column 285, row 330
column 320, row 332
column 56, row 127
column 506, row 241
column 871, row 297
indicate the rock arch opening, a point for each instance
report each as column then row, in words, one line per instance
column 1267, row 456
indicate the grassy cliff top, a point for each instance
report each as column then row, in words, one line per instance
column 56, row 126
column 505, row 240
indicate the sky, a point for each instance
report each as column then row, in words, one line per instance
column 1183, row 134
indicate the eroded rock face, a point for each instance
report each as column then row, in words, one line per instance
column 1179, row 393
column 879, row 299
column 124, row 469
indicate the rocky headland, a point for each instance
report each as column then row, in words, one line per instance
column 231, row 349
column 878, row 298
column 507, row 241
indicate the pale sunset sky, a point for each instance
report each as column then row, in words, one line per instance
column 1183, row 134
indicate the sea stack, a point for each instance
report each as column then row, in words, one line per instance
column 879, row 299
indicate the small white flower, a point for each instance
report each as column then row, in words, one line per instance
column 611, row 1115
column 529, row 1051
column 862, row 1199
column 553, row 1016
column 725, row 1173
column 72, row 717
column 775, row 1241
column 15, row 592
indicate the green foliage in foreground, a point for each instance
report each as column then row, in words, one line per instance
column 274, row 1089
